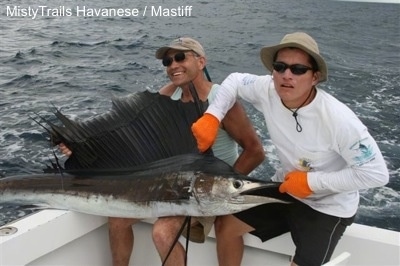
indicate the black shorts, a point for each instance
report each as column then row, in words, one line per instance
column 314, row 234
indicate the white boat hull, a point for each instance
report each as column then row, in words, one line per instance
column 53, row 237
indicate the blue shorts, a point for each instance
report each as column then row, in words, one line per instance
column 314, row 234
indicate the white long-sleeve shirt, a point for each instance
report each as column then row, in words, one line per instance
column 334, row 146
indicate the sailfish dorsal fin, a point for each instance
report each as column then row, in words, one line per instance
column 140, row 128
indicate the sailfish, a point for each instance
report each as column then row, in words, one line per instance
column 138, row 160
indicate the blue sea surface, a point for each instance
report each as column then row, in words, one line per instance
column 78, row 62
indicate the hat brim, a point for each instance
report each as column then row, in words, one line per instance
column 267, row 56
column 160, row 53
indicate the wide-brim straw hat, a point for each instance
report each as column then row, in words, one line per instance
column 298, row 40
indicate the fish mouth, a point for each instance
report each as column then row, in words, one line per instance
column 267, row 190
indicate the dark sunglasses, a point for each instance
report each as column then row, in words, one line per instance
column 296, row 69
column 178, row 57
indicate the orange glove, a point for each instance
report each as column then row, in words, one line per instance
column 205, row 131
column 296, row 184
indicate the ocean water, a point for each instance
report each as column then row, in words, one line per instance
column 69, row 57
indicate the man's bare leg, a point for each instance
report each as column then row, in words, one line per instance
column 121, row 239
column 165, row 231
column 229, row 232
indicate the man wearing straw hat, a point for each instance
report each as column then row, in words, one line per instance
column 325, row 151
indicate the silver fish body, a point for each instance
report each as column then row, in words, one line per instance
column 192, row 185
column 138, row 160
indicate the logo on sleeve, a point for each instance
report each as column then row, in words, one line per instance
column 363, row 152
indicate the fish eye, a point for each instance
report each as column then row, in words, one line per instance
column 237, row 184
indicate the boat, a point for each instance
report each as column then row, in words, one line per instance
column 59, row 237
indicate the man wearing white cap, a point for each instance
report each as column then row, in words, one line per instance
column 185, row 62
column 325, row 151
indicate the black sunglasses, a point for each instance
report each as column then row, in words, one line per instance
column 296, row 69
column 178, row 57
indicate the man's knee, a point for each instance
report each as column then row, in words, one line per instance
column 115, row 223
column 223, row 224
column 166, row 228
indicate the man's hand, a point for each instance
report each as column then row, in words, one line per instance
column 64, row 150
column 296, row 184
column 205, row 131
